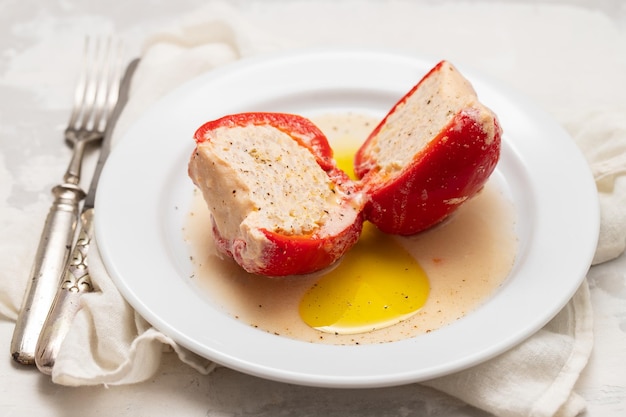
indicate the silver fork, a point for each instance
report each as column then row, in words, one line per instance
column 95, row 96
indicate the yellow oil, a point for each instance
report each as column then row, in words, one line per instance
column 377, row 283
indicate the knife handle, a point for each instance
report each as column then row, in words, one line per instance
column 50, row 260
column 76, row 281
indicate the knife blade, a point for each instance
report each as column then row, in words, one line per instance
column 76, row 279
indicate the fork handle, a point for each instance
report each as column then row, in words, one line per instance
column 50, row 260
column 76, row 281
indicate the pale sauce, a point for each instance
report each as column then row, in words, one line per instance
column 466, row 259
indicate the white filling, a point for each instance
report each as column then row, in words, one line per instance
column 258, row 177
column 422, row 116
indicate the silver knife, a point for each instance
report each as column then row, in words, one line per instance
column 76, row 280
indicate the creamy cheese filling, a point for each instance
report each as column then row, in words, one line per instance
column 258, row 177
column 422, row 116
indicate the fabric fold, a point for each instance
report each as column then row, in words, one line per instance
column 602, row 138
column 542, row 370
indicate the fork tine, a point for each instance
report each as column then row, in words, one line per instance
column 107, row 91
column 81, row 86
column 86, row 87
column 94, row 68
column 96, row 92
column 116, row 79
column 101, row 83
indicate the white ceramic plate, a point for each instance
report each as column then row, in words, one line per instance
column 144, row 196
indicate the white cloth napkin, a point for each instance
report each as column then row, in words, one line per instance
column 110, row 344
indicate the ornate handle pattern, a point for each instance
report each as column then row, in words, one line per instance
column 76, row 282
